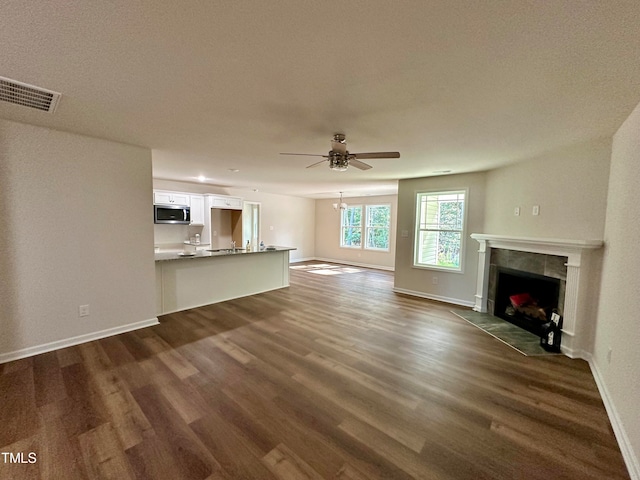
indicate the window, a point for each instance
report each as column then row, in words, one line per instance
column 377, row 230
column 351, row 229
column 440, row 230
column 376, row 222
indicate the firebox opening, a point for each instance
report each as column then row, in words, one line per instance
column 526, row 299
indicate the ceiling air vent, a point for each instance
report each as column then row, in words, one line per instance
column 28, row 95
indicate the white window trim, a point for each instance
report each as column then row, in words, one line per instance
column 463, row 242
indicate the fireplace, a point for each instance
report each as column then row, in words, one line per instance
column 575, row 264
column 526, row 299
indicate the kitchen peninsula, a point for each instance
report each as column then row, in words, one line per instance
column 191, row 280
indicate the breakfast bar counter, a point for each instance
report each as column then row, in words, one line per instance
column 189, row 280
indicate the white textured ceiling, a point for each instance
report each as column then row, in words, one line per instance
column 228, row 84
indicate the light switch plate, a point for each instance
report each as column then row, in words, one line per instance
column 536, row 209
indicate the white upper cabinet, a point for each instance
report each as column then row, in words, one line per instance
column 225, row 201
column 197, row 209
column 170, row 198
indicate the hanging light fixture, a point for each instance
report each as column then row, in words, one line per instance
column 342, row 205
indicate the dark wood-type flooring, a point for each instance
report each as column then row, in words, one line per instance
column 333, row 377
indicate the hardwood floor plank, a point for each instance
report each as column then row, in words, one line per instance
column 178, row 442
column 385, row 421
column 21, row 466
column 68, row 356
column 235, row 453
column 84, row 410
column 246, row 425
column 18, row 412
column 234, row 351
column 286, row 465
column 103, row 454
column 58, row 455
column 17, row 365
column 185, row 400
column 124, row 413
column 406, row 400
column 177, row 364
column 405, row 458
column 348, row 472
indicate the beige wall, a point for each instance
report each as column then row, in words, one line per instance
column 62, row 243
column 452, row 287
column 569, row 185
column 328, row 234
column 618, row 327
column 292, row 218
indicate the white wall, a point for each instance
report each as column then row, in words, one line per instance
column 327, row 230
column 62, row 242
column 292, row 218
column 569, row 185
column 618, row 327
column 452, row 287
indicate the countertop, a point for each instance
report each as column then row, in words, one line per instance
column 164, row 256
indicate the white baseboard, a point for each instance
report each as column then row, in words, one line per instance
column 354, row 264
column 438, row 298
column 630, row 458
column 69, row 342
column 571, row 353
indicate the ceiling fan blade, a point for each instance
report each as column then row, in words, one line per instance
column 305, row 154
column 358, row 164
column 316, row 164
column 377, row 155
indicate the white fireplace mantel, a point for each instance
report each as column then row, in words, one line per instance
column 577, row 328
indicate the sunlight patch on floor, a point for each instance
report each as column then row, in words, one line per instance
column 325, row 269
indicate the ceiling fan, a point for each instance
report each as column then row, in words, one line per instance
column 339, row 157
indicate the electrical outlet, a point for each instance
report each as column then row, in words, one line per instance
column 271, row 227
column 609, row 352
column 516, row 211
column 404, row 233
column 434, row 280
column 555, row 318
column 536, row 210
column 83, row 311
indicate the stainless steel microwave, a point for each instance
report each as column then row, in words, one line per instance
column 176, row 214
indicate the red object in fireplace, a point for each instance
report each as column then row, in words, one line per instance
column 521, row 299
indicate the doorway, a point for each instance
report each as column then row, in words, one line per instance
column 251, row 224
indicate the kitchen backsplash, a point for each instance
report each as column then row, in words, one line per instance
column 173, row 234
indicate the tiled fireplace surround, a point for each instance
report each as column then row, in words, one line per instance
column 571, row 261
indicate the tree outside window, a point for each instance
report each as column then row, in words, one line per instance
column 440, row 230
column 351, row 229
column 378, row 224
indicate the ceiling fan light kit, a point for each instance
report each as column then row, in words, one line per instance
column 338, row 162
column 339, row 157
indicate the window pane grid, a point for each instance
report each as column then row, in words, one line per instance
column 439, row 229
